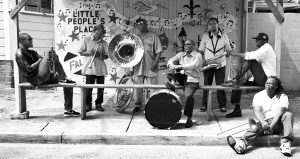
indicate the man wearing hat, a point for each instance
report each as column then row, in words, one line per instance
column 146, row 69
column 261, row 63
column 94, row 50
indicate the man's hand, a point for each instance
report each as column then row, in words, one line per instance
column 267, row 128
column 154, row 66
column 92, row 52
column 204, row 63
column 175, row 67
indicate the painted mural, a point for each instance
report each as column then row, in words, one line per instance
column 75, row 19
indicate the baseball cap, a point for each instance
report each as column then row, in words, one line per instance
column 99, row 27
column 261, row 36
column 140, row 20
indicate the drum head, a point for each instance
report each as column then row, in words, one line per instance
column 163, row 110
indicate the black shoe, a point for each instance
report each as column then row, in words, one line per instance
column 170, row 86
column 236, row 113
column 71, row 113
column 66, row 80
column 189, row 123
column 137, row 109
column 99, row 108
column 88, row 108
column 223, row 109
column 203, row 109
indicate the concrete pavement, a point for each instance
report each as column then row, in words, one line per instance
column 48, row 125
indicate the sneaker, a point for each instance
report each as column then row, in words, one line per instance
column 189, row 123
column 236, row 113
column 99, row 107
column 170, row 86
column 71, row 113
column 285, row 147
column 223, row 109
column 238, row 145
column 203, row 109
column 232, row 83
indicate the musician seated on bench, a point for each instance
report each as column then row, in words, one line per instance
column 37, row 72
column 189, row 62
column 271, row 109
column 261, row 63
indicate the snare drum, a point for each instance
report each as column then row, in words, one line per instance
column 163, row 109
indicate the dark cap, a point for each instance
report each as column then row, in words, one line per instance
column 140, row 20
column 262, row 36
column 99, row 27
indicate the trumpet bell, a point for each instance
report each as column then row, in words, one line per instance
column 126, row 50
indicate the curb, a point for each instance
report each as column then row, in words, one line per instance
column 129, row 139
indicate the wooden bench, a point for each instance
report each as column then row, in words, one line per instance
column 211, row 88
column 24, row 86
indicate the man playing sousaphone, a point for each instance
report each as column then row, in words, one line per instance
column 189, row 62
column 95, row 50
column 37, row 72
column 147, row 68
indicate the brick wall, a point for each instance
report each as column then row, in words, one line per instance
column 6, row 72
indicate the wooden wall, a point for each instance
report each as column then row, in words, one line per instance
column 2, row 53
column 40, row 27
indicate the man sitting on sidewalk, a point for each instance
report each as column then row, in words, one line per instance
column 271, row 109
column 189, row 62
column 261, row 63
column 37, row 72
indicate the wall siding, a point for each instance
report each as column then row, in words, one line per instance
column 290, row 44
column 41, row 29
column 2, row 53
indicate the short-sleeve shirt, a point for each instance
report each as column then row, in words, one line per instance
column 98, row 65
column 270, row 105
column 266, row 56
column 24, row 60
column 213, row 45
column 152, row 46
column 190, row 64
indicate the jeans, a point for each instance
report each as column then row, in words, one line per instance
column 68, row 96
column 190, row 89
column 219, row 78
column 285, row 125
column 90, row 79
column 258, row 73
column 139, row 91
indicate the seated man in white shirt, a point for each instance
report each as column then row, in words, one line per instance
column 189, row 62
column 261, row 63
column 271, row 109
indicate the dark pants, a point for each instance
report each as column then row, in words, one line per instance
column 54, row 78
column 258, row 73
column 219, row 78
column 190, row 89
column 90, row 79
column 285, row 125
column 178, row 77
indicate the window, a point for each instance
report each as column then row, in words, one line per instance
column 42, row 6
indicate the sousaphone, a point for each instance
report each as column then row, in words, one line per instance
column 125, row 50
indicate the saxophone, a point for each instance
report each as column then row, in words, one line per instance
column 51, row 60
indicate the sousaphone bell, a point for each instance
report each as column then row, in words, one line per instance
column 125, row 50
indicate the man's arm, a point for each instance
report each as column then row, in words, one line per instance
column 238, row 54
column 259, row 115
column 279, row 112
column 158, row 55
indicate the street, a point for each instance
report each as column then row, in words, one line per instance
column 83, row 151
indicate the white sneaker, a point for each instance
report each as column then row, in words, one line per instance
column 285, row 147
column 238, row 145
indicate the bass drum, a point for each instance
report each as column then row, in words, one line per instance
column 163, row 109
column 123, row 96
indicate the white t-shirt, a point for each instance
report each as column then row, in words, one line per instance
column 266, row 56
column 270, row 105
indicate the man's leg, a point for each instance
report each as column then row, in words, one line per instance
column 89, row 79
column 287, row 120
column 221, row 95
column 179, row 78
column 68, row 97
column 190, row 89
column 100, row 92
column 208, row 79
column 138, row 92
column 258, row 73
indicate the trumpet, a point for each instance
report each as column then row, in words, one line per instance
column 212, row 63
column 51, row 60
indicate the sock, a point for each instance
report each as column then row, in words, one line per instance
column 237, row 106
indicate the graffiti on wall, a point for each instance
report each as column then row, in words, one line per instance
column 75, row 19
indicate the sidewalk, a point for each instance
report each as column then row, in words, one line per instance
column 48, row 125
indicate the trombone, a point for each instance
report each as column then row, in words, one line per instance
column 93, row 58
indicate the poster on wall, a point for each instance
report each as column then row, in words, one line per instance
column 75, row 19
